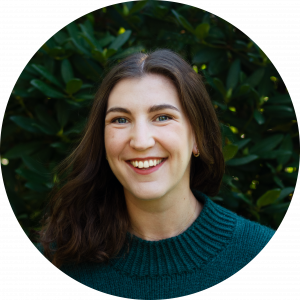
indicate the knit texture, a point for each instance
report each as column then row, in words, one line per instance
column 218, row 244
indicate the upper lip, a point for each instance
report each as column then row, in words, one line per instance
column 146, row 158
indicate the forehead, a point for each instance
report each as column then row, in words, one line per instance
column 151, row 89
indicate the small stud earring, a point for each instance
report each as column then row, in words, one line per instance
column 198, row 153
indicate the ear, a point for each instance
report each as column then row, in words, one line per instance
column 195, row 148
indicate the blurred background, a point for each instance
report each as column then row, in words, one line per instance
column 51, row 99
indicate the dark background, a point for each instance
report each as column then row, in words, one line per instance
column 52, row 97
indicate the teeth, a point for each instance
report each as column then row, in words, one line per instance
column 145, row 164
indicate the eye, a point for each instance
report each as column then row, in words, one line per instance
column 113, row 121
column 120, row 121
column 162, row 118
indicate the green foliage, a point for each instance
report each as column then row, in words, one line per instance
column 50, row 102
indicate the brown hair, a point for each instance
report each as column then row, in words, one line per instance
column 86, row 217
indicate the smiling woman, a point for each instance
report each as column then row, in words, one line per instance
column 130, row 214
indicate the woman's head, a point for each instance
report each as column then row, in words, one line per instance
column 141, row 81
column 87, row 216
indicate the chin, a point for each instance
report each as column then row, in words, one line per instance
column 148, row 193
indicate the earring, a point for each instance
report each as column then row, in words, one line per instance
column 198, row 153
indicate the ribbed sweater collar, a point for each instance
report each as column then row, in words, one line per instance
column 192, row 249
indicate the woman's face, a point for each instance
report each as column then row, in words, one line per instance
column 148, row 139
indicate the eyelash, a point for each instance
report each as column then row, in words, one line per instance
column 115, row 120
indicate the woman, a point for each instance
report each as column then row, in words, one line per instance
column 123, row 218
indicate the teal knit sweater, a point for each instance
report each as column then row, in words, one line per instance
column 218, row 244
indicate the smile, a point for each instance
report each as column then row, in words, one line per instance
column 146, row 166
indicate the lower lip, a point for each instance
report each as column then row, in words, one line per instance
column 146, row 171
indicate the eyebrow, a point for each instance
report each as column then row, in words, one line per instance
column 153, row 108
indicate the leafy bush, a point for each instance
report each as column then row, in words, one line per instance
column 51, row 99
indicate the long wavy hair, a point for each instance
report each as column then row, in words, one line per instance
column 86, row 216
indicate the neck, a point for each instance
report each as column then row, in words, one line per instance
column 191, row 216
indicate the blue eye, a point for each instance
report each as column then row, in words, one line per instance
column 120, row 120
column 113, row 121
column 162, row 118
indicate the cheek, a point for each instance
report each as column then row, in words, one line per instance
column 114, row 142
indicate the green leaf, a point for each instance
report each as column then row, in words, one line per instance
column 215, row 33
column 66, row 70
column 128, row 51
column 182, row 21
column 221, row 105
column 99, row 56
column 137, row 7
column 73, row 30
column 160, row 11
column 276, row 208
column 25, row 123
column 81, row 48
column 244, row 89
column 287, row 144
column 244, row 198
column 60, row 37
column 253, row 95
column 242, row 143
column 209, row 80
column 263, row 54
column 118, row 9
column 233, row 74
column 279, row 108
column 46, row 119
column 267, row 144
column 77, row 128
column 20, row 92
column 278, row 181
column 120, row 40
column 259, row 118
column 45, row 129
column 271, row 168
column 50, row 43
column 89, row 37
column 26, row 76
column 44, row 72
column 63, row 113
column 206, row 55
column 274, row 154
column 73, row 86
column 8, row 130
column 280, row 99
column 84, row 95
column 30, row 70
column 255, row 77
column 241, row 161
column 106, row 40
column 37, row 187
column 125, row 10
column 268, row 198
column 45, row 49
column 46, row 89
column 76, row 105
column 35, row 165
column 202, row 30
column 229, row 151
column 31, row 176
column 110, row 52
column 58, row 52
column 218, row 65
column 22, row 149
column 220, row 86
column 285, row 192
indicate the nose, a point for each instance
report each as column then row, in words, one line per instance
column 141, row 136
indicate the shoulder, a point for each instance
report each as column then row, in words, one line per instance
column 250, row 236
